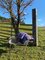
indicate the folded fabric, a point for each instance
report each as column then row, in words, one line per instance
column 24, row 37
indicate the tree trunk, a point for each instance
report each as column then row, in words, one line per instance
column 18, row 14
column 15, row 26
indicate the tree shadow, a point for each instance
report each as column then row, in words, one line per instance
column 2, row 51
column 4, row 45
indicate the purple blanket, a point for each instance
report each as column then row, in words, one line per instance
column 22, row 36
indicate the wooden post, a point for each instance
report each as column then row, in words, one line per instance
column 34, row 26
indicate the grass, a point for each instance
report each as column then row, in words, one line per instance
column 24, row 52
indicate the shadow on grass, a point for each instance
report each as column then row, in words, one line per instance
column 4, row 45
column 2, row 51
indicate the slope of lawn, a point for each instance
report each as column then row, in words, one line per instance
column 24, row 52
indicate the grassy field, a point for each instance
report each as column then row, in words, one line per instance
column 24, row 52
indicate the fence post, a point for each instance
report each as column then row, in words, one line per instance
column 34, row 27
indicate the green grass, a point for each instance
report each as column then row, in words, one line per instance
column 24, row 52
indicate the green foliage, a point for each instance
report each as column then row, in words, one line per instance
column 1, row 18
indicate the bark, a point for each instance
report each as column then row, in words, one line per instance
column 15, row 26
column 18, row 14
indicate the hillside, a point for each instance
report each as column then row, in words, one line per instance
column 24, row 52
column 2, row 18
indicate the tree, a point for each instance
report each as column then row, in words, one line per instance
column 22, row 22
column 17, row 6
column 2, row 18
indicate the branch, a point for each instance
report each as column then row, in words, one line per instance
column 2, row 6
column 7, row 4
column 26, row 5
column 12, row 14
column 5, row 12
column 22, row 15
